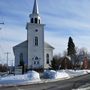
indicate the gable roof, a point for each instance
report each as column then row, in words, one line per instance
column 22, row 44
column 25, row 44
column 46, row 45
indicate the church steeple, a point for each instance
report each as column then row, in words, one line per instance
column 35, row 8
column 34, row 17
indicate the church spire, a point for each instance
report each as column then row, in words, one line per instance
column 34, row 17
column 35, row 8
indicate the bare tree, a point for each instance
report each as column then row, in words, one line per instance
column 64, row 53
column 83, row 51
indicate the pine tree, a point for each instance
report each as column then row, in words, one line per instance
column 71, row 47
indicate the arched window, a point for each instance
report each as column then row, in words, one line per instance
column 21, row 56
column 34, row 62
column 31, row 20
column 36, row 41
column 36, row 20
column 37, row 62
column 47, row 58
column 39, row 21
column 21, row 59
column 36, row 58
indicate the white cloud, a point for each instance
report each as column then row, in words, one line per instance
column 57, row 22
column 13, row 33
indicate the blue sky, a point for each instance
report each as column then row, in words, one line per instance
column 63, row 18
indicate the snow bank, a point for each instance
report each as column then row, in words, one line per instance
column 51, row 74
column 62, row 75
column 16, row 77
column 33, row 75
column 78, row 72
column 30, row 76
column 88, row 71
column 73, row 73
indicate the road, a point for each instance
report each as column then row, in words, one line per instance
column 68, row 84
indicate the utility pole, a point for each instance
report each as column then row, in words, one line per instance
column 1, row 23
column 7, row 54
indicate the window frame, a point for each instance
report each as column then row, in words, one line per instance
column 36, row 20
column 47, row 58
column 31, row 20
column 36, row 41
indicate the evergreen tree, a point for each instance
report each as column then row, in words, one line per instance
column 71, row 47
column 55, row 63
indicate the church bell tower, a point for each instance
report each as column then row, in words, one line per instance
column 35, row 38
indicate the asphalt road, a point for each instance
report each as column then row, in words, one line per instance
column 69, row 84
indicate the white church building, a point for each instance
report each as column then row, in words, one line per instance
column 34, row 52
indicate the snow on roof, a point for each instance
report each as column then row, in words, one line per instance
column 68, row 57
column 22, row 44
column 46, row 45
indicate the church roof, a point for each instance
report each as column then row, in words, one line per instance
column 25, row 44
column 35, row 8
column 46, row 45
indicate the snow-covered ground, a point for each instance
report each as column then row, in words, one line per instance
column 31, row 76
column 51, row 74
column 34, row 77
